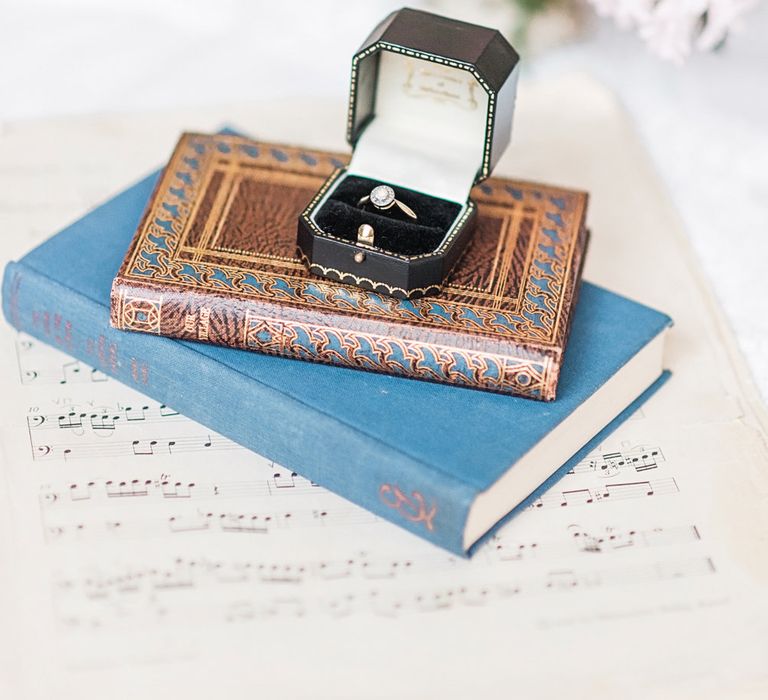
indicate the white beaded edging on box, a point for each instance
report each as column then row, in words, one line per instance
column 319, row 199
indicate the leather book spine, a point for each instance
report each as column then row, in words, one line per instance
column 445, row 356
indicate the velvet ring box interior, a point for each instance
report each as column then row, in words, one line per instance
column 430, row 113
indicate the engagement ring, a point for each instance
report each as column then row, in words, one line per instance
column 383, row 197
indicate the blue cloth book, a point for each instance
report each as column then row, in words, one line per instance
column 447, row 463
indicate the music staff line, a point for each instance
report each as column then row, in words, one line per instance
column 610, row 464
column 47, row 370
column 359, row 565
column 605, row 493
column 167, row 489
column 103, row 420
column 177, row 591
column 147, row 447
column 203, row 521
column 597, row 541
column 284, row 482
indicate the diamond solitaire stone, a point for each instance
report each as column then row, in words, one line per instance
column 382, row 196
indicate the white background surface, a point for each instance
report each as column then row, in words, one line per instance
column 706, row 124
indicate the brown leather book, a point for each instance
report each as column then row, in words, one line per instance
column 215, row 259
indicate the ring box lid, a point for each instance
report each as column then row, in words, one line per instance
column 431, row 103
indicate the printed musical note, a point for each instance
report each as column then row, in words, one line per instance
column 610, row 464
column 41, row 365
column 125, row 489
column 284, row 479
column 591, row 541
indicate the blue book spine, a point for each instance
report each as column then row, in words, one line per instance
column 369, row 472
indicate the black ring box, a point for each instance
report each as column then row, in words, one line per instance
column 430, row 113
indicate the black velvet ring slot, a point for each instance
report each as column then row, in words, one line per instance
column 341, row 216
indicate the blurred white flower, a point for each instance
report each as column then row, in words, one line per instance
column 673, row 28
column 626, row 13
column 722, row 16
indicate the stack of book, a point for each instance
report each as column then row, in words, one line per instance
column 524, row 368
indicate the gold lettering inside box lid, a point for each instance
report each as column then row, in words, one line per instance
column 441, row 83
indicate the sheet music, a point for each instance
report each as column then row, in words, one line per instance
column 147, row 554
